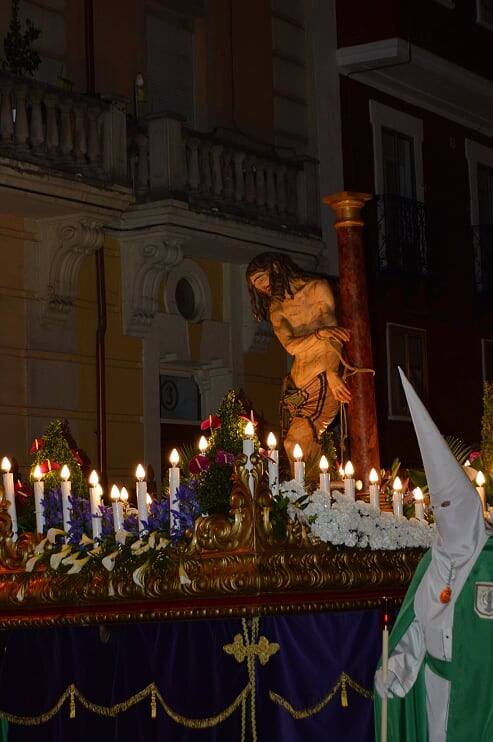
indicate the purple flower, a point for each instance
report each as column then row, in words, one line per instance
column 52, row 509
column 80, row 518
column 107, row 526
column 131, row 524
column 158, row 519
column 225, row 458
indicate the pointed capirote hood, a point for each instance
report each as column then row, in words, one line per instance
column 457, row 508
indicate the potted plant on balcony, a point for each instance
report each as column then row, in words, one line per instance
column 19, row 55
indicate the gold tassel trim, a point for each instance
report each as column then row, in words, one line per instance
column 72, row 692
column 343, row 681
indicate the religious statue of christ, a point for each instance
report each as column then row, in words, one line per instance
column 301, row 308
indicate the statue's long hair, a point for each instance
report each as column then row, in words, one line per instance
column 282, row 270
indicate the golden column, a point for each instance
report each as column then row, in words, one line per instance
column 363, row 432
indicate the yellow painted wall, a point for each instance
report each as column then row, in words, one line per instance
column 264, row 373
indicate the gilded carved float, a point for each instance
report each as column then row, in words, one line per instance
column 234, row 566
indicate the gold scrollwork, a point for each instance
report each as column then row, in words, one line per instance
column 341, row 684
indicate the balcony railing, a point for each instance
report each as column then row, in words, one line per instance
column 483, row 259
column 404, row 244
column 222, row 177
column 42, row 124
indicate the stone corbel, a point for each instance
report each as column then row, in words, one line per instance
column 144, row 267
column 63, row 245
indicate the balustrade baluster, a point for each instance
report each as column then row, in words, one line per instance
column 228, row 188
column 21, row 126
column 93, row 147
column 36, row 134
column 238, row 159
column 292, row 195
column 271, row 186
column 52, row 135
column 193, row 172
column 142, row 163
column 80, row 134
column 67, row 140
column 250, row 163
column 260, row 183
column 281, row 188
column 205, row 168
column 217, row 173
column 6, row 117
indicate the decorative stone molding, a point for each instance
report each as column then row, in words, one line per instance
column 63, row 245
column 144, row 267
column 196, row 277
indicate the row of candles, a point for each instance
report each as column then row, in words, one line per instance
column 119, row 497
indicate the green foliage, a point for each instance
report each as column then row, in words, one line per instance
column 460, row 450
column 19, row 55
column 328, row 447
column 58, row 447
column 487, row 439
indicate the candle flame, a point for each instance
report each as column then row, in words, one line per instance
column 341, row 471
column 6, row 466
column 249, row 429
column 467, row 462
column 37, row 473
column 324, row 464
column 397, row 486
column 65, row 473
column 297, row 452
column 359, row 485
column 373, row 476
column 480, row 479
column 94, row 479
column 124, row 494
column 418, row 494
column 115, row 493
column 148, row 499
column 349, row 470
column 271, row 441
column 140, row 473
column 174, row 457
column 203, row 444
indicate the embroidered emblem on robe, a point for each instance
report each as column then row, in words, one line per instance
column 484, row 599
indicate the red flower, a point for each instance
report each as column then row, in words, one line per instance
column 264, row 453
column 48, row 466
column 224, row 457
column 474, row 455
column 199, row 463
column 38, row 444
column 22, row 490
column 213, row 422
column 249, row 420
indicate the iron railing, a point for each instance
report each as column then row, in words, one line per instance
column 403, row 235
column 483, row 259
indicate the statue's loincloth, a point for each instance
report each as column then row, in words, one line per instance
column 313, row 402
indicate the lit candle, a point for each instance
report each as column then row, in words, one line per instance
column 141, row 488
column 273, row 465
column 203, row 444
column 480, row 482
column 9, row 490
column 124, row 498
column 38, row 499
column 66, row 489
column 174, row 479
column 299, row 465
column 248, row 449
column 374, row 491
column 349, row 483
column 419, row 507
column 397, row 499
column 341, row 472
column 324, row 475
column 95, row 493
column 117, row 508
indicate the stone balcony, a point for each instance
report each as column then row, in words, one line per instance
column 224, row 178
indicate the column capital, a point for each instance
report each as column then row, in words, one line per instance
column 347, row 206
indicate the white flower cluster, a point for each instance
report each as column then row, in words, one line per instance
column 354, row 524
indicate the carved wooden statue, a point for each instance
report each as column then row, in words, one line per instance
column 301, row 308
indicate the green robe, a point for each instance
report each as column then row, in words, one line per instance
column 470, row 671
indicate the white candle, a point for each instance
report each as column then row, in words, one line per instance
column 66, row 488
column 141, row 488
column 174, row 479
column 38, row 499
column 248, row 449
column 397, row 500
column 8, row 486
column 349, row 483
column 95, row 493
column 117, row 508
column 124, row 498
column 374, row 491
column 480, row 482
column 299, row 464
column 273, row 465
column 419, row 508
column 324, row 475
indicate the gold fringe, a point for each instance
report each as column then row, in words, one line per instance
column 72, row 692
column 343, row 680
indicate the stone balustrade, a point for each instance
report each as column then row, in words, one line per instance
column 224, row 177
column 64, row 131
